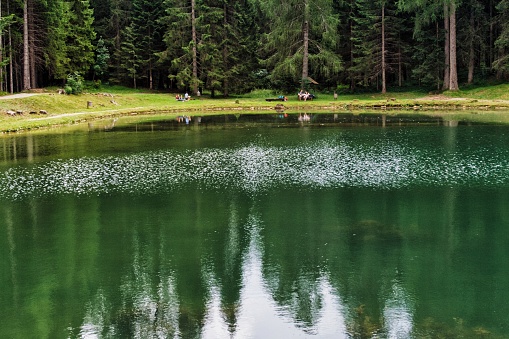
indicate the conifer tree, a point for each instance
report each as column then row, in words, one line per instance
column 302, row 39
column 378, row 45
column 80, row 37
column 56, row 52
column 501, row 63
column 147, row 36
column 101, row 60
column 472, row 28
column 129, row 58
column 428, row 11
column 180, row 38
column 210, row 46
column 428, row 58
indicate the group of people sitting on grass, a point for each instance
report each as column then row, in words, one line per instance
column 179, row 97
column 305, row 95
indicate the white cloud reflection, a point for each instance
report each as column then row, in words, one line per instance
column 398, row 313
column 260, row 316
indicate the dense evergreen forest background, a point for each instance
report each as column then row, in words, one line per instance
column 235, row 46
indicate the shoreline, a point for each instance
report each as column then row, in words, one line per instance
column 64, row 110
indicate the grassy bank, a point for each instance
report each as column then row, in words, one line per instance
column 47, row 108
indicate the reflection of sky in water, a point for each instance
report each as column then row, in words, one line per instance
column 398, row 313
column 155, row 315
column 252, row 169
column 259, row 315
column 255, row 168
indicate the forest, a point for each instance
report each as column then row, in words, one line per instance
column 227, row 47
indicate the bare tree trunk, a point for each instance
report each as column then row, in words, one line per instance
column 438, row 75
column 11, row 73
column 225, row 50
column 471, row 57
column 400, row 63
column 31, row 45
column 453, row 77
column 195, row 43
column 1, row 54
column 447, row 49
column 492, row 21
column 384, row 85
column 26, row 52
column 305, row 56
column 150, row 67
column 352, row 80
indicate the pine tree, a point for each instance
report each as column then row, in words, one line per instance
column 119, row 19
column 55, row 54
column 364, row 36
column 129, row 58
column 428, row 11
column 428, row 56
column 180, row 54
column 501, row 63
column 302, row 40
column 101, row 60
column 148, row 36
column 80, row 37
column 102, row 16
column 5, row 22
column 235, row 32
column 473, row 26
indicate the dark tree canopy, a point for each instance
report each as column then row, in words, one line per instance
column 226, row 47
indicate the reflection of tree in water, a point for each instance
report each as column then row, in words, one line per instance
column 148, row 308
column 194, row 282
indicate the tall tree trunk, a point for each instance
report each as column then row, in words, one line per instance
column 471, row 56
column 11, row 71
column 150, row 67
column 26, row 52
column 438, row 74
column 400, row 63
column 1, row 54
column 225, row 49
column 305, row 56
column 31, row 45
column 490, row 48
column 195, row 43
column 453, row 77
column 351, row 75
column 384, row 85
column 447, row 49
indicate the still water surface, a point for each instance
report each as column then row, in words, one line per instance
column 246, row 230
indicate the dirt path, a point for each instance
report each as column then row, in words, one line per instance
column 18, row 96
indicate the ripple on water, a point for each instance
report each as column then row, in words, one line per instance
column 256, row 168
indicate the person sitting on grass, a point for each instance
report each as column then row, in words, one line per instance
column 304, row 95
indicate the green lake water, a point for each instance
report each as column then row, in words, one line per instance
column 233, row 227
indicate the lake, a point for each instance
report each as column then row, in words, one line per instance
column 256, row 226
